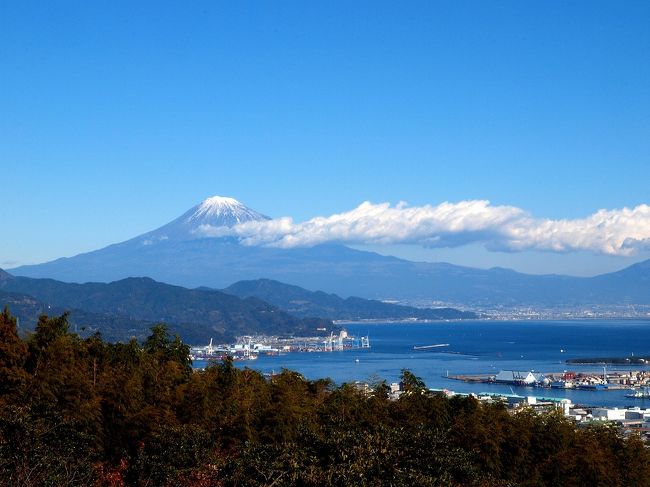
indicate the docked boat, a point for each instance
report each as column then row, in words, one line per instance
column 640, row 394
column 562, row 384
column 592, row 387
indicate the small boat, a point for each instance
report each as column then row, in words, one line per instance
column 640, row 394
column 427, row 347
column 562, row 384
column 592, row 387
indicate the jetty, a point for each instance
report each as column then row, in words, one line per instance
column 471, row 378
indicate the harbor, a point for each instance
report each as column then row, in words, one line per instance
column 592, row 381
column 252, row 347
column 476, row 351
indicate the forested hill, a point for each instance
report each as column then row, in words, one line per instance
column 79, row 412
column 27, row 309
column 128, row 307
column 302, row 302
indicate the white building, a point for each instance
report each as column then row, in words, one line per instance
column 608, row 414
column 518, row 377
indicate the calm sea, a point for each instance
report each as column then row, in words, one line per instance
column 477, row 347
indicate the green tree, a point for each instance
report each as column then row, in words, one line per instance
column 62, row 383
column 47, row 330
column 13, row 355
column 409, row 382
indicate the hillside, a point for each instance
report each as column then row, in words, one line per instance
column 112, row 327
column 117, row 307
column 303, row 303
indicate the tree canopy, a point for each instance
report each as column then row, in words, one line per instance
column 87, row 412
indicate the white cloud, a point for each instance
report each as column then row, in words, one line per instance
column 506, row 228
column 151, row 241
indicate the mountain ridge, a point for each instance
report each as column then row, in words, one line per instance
column 302, row 303
column 139, row 302
column 181, row 255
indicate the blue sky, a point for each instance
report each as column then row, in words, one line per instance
column 116, row 118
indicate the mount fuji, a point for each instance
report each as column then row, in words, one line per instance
column 217, row 211
column 180, row 253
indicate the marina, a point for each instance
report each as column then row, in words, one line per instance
column 593, row 381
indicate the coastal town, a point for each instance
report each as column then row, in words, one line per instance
column 629, row 420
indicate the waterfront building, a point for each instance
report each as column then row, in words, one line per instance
column 519, row 377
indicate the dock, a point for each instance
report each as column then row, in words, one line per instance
column 567, row 380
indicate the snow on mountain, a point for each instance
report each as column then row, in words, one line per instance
column 223, row 211
column 216, row 211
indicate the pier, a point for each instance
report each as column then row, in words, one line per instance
column 471, row 378
column 591, row 381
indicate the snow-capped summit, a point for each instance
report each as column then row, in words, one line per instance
column 223, row 211
column 213, row 212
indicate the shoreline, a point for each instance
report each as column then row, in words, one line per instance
column 405, row 321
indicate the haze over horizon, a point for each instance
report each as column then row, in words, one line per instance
column 118, row 118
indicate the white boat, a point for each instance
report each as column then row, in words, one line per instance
column 562, row 384
column 640, row 394
column 427, row 347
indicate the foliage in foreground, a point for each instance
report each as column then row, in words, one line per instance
column 87, row 412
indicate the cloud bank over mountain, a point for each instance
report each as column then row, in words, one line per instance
column 504, row 228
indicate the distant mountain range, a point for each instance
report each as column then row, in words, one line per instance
column 303, row 303
column 129, row 307
column 179, row 253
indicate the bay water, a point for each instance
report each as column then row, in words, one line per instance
column 477, row 347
